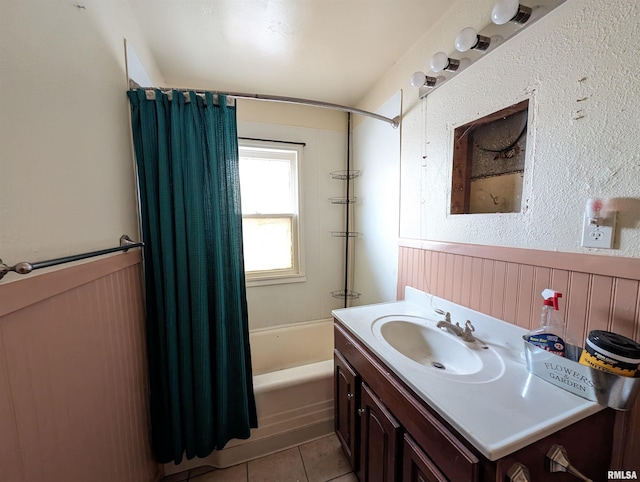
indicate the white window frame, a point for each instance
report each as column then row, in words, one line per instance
column 296, row 274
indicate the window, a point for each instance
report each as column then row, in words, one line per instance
column 270, row 211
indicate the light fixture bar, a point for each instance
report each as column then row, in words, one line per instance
column 508, row 18
column 523, row 15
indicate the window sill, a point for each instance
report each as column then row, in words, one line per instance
column 275, row 280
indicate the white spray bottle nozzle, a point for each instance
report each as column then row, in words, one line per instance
column 551, row 297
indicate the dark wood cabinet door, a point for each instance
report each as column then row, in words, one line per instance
column 380, row 438
column 417, row 466
column 346, row 402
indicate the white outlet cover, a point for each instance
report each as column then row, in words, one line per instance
column 599, row 235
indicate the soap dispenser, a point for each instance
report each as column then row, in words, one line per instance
column 551, row 334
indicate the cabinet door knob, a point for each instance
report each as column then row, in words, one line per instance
column 558, row 461
column 518, row 473
column 349, row 396
column 360, row 411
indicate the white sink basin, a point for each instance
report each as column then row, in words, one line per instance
column 444, row 354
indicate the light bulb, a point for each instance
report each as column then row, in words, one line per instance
column 466, row 39
column 504, row 10
column 439, row 61
column 418, row 79
column 510, row 10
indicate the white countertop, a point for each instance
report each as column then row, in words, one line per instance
column 499, row 415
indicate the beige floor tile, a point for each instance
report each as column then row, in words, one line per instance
column 201, row 470
column 285, row 466
column 350, row 477
column 324, row 459
column 236, row 473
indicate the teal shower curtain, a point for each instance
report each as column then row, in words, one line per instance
column 186, row 150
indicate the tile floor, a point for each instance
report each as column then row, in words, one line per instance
column 321, row 460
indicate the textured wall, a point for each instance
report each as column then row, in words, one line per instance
column 376, row 214
column 582, row 134
column 67, row 182
column 577, row 66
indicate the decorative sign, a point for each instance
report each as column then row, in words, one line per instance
column 605, row 388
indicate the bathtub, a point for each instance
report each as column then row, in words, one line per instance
column 293, row 385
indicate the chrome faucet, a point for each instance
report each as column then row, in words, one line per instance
column 464, row 333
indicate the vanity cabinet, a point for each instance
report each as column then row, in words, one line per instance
column 390, row 434
column 416, row 465
column 380, row 437
column 347, row 399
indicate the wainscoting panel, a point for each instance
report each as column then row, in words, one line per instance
column 598, row 292
column 73, row 377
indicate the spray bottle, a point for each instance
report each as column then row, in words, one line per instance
column 551, row 334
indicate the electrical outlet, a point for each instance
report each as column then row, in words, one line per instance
column 600, row 234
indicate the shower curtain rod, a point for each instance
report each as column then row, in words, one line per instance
column 395, row 122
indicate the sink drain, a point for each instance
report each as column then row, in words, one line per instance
column 438, row 365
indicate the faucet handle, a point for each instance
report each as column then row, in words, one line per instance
column 446, row 314
column 468, row 330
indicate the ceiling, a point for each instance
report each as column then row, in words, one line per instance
column 326, row 50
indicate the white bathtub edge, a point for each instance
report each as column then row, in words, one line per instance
column 285, row 326
column 292, row 376
column 282, row 430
